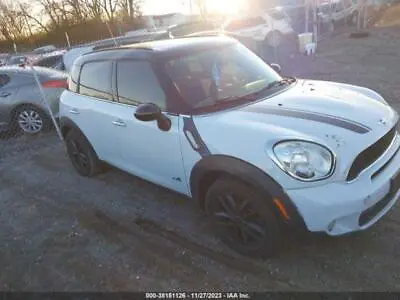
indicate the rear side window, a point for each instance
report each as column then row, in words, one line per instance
column 95, row 80
column 4, row 79
column 137, row 83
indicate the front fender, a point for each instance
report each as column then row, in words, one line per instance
column 250, row 174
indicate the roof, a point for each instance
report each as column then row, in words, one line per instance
column 159, row 49
column 179, row 44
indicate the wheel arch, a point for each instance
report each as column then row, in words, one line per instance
column 19, row 105
column 210, row 168
column 66, row 125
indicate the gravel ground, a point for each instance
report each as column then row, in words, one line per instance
column 115, row 232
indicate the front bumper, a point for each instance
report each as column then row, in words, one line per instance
column 341, row 207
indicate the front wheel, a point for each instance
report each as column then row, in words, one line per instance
column 242, row 218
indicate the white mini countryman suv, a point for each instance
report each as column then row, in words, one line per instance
column 207, row 118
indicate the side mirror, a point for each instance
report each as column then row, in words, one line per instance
column 277, row 68
column 150, row 112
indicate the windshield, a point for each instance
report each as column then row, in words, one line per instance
column 227, row 74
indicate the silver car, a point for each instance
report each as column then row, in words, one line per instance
column 22, row 107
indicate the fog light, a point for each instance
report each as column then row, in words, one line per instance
column 331, row 225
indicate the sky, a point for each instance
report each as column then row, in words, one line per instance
column 155, row 7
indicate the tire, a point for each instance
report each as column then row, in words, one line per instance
column 242, row 218
column 274, row 39
column 30, row 119
column 82, row 155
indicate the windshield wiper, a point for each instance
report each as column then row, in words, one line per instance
column 255, row 95
column 285, row 80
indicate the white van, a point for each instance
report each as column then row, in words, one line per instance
column 271, row 27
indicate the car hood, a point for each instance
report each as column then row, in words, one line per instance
column 345, row 118
column 330, row 103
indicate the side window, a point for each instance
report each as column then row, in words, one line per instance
column 137, row 83
column 48, row 62
column 95, row 80
column 4, row 79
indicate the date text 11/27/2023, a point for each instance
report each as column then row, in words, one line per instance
column 197, row 295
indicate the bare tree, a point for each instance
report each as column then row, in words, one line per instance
column 94, row 8
column 12, row 22
column 22, row 20
column 109, row 7
column 129, row 8
column 202, row 5
column 25, row 11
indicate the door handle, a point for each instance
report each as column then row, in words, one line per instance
column 119, row 123
column 5, row 94
column 74, row 111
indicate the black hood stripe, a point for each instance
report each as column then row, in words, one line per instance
column 321, row 118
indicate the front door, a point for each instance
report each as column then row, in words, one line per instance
column 147, row 151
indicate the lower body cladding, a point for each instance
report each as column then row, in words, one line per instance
column 342, row 207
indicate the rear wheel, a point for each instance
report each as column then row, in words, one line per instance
column 30, row 119
column 242, row 218
column 82, row 155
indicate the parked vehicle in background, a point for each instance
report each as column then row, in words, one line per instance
column 259, row 152
column 72, row 54
column 21, row 105
column 3, row 58
column 45, row 49
column 16, row 60
column 271, row 29
column 184, row 29
column 145, row 34
column 338, row 11
column 297, row 16
column 54, row 60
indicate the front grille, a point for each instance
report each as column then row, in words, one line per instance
column 371, row 154
column 371, row 212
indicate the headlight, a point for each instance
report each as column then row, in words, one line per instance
column 305, row 161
